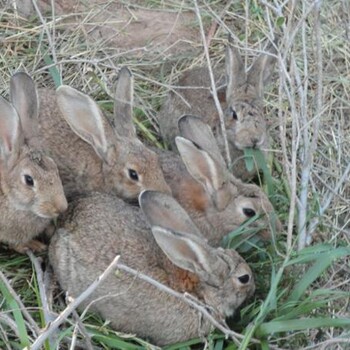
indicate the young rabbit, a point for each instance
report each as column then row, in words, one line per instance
column 215, row 200
column 100, row 227
column 243, row 105
column 93, row 154
column 31, row 192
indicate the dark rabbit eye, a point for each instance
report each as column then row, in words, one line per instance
column 233, row 114
column 29, row 180
column 249, row 212
column 244, row 279
column 133, row 174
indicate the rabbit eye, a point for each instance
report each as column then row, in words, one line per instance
column 244, row 279
column 29, row 180
column 133, row 174
column 249, row 212
column 233, row 114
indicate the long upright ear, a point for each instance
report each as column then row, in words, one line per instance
column 235, row 70
column 84, row 117
column 262, row 69
column 10, row 129
column 24, row 97
column 123, row 103
column 206, row 170
column 194, row 129
column 163, row 210
column 189, row 253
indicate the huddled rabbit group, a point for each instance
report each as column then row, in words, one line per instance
column 57, row 146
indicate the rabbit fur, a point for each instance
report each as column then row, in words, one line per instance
column 31, row 192
column 242, row 103
column 92, row 153
column 216, row 201
column 172, row 251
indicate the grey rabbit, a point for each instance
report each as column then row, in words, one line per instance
column 159, row 240
column 31, row 192
column 216, row 201
column 242, row 103
column 92, row 153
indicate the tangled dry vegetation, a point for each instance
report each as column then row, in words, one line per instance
column 302, row 298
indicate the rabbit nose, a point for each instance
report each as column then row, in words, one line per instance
column 244, row 279
column 255, row 142
column 61, row 205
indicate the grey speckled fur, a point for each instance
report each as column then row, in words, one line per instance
column 243, row 95
column 99, row 227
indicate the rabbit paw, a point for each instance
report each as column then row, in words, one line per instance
column 34, row 245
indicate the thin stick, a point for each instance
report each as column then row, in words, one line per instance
column 47, row 31
column 48, row 315
column 310, row 147
column 83, row 331
column 72, row 306
column 213, row 87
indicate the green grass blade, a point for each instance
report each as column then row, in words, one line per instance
column 300, row 324
column 315, row 271
column 54, row 72
column 113, row 341
column 17, row 314
column 249, row 159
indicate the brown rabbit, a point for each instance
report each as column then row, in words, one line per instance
column 174, row 255
column 93, row 154
column 242, row 103
column 216, row 201
column 31, row 192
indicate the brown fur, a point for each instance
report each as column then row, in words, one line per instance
column 83, row 166
column 26, row 210
column 99, row 227
column 214, row 222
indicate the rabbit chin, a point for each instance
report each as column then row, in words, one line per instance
column 241, row 146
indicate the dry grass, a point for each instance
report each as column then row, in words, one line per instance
column 85, row 46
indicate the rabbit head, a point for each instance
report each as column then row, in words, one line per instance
column 128, row 166
column 244, row 116
column 29, row 178
column 220, row 202
column 225, row 278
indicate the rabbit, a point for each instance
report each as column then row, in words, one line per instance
column 242, row 104
column 216, row 201
column 93, row 154
column 31, row 192
column 158, row 240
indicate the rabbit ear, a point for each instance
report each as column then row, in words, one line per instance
column 262, row 69
column 235, row 70
column 24, row 98
column 206, row 170
column 200, row 133
column 84, row 117
column 123, row 104
column 189, row 253
column 163, row 210
column 10, row 130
